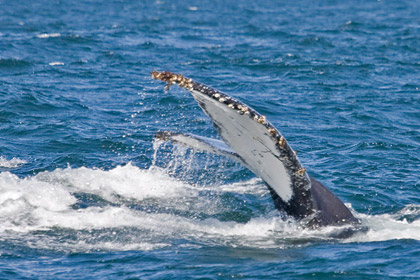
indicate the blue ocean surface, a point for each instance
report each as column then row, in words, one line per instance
column 87, row 193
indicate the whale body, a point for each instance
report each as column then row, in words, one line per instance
column 252, row 140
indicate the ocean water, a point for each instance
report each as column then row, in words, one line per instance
column 87, row 193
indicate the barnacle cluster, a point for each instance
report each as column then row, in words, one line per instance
column 301, row 171
column 282, row 141
column 172, row 79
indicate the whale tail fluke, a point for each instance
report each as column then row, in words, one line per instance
column 250, row 138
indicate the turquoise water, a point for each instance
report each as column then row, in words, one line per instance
column 86, row 192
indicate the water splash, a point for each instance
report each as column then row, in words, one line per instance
column 12, row 163
column 404, row 224
column 128, row 208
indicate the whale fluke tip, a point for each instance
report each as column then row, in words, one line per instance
column 172, row 78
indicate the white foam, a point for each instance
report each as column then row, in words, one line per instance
column 138, row 209
column 390, row 226
column 12, row 163
column 56, row 63
column 46, row 200
column 125, row 181
column 48, row 35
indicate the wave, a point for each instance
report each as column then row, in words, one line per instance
column 404, row 224
column 48, row 35
column 11, row 163
column 129, row 208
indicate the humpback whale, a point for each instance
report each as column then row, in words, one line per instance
column 252, row 140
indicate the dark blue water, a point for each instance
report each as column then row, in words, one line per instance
column 87, row 193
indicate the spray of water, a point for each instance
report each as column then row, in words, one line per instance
column 184, row 198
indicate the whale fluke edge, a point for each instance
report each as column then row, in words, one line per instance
column 252, row 140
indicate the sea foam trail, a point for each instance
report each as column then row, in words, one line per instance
column 405, row 224
column 128, row 208
column 48, row 199
column 11, row 163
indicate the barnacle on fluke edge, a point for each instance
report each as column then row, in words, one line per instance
column 187, row 83
column 171, row 78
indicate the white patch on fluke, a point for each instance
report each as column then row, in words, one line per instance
column 251, row 141
column 203, row 144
